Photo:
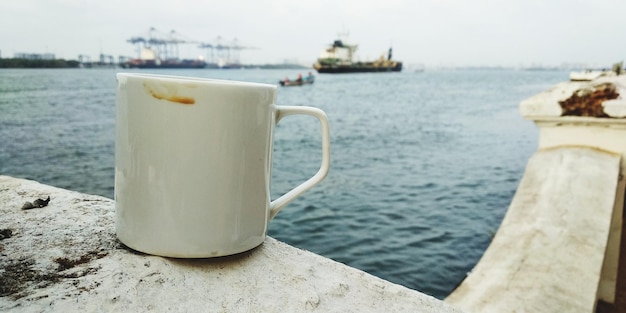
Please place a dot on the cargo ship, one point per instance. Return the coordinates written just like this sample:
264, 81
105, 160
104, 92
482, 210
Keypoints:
149, 59
338, 58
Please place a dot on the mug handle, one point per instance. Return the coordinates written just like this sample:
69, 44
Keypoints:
283, 111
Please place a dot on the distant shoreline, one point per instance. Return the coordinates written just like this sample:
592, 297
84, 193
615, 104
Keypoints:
17, 63
29, 63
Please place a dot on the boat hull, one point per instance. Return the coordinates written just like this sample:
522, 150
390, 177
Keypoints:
296, 83
357, 68
164, 64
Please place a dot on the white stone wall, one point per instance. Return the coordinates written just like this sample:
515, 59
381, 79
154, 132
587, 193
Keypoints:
547, 256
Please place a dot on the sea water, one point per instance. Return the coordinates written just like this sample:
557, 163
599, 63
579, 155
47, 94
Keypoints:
423, 165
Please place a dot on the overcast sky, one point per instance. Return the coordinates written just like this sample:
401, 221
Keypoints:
428, 32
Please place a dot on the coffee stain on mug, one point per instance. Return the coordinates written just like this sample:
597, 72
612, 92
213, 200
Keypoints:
168, 97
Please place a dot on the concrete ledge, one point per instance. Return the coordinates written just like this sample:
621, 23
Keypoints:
547, 103
548, 253
65, 258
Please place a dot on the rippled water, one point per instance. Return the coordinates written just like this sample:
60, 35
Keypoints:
424, 165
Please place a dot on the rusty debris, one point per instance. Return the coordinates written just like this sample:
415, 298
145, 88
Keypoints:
5, 233
588, 101
39, 203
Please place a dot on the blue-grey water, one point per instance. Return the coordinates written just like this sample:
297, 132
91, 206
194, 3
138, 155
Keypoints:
424, 165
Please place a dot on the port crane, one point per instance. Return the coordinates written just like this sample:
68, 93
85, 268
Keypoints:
224, 53
156, 44
160, 48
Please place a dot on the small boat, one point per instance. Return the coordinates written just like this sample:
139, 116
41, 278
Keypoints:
298, 82
588, 75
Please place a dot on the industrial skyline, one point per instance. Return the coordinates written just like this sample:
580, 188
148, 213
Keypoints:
509, 33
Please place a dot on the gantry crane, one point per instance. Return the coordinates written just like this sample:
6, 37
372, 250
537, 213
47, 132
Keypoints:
224, 54
162, 45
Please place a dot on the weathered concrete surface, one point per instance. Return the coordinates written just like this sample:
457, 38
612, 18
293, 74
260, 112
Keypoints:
65, 258
548, 103
548, 253
615, 108
600, 133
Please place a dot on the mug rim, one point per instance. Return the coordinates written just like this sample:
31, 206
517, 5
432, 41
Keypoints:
192, 79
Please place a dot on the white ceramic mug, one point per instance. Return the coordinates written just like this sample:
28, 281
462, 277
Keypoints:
193, 162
